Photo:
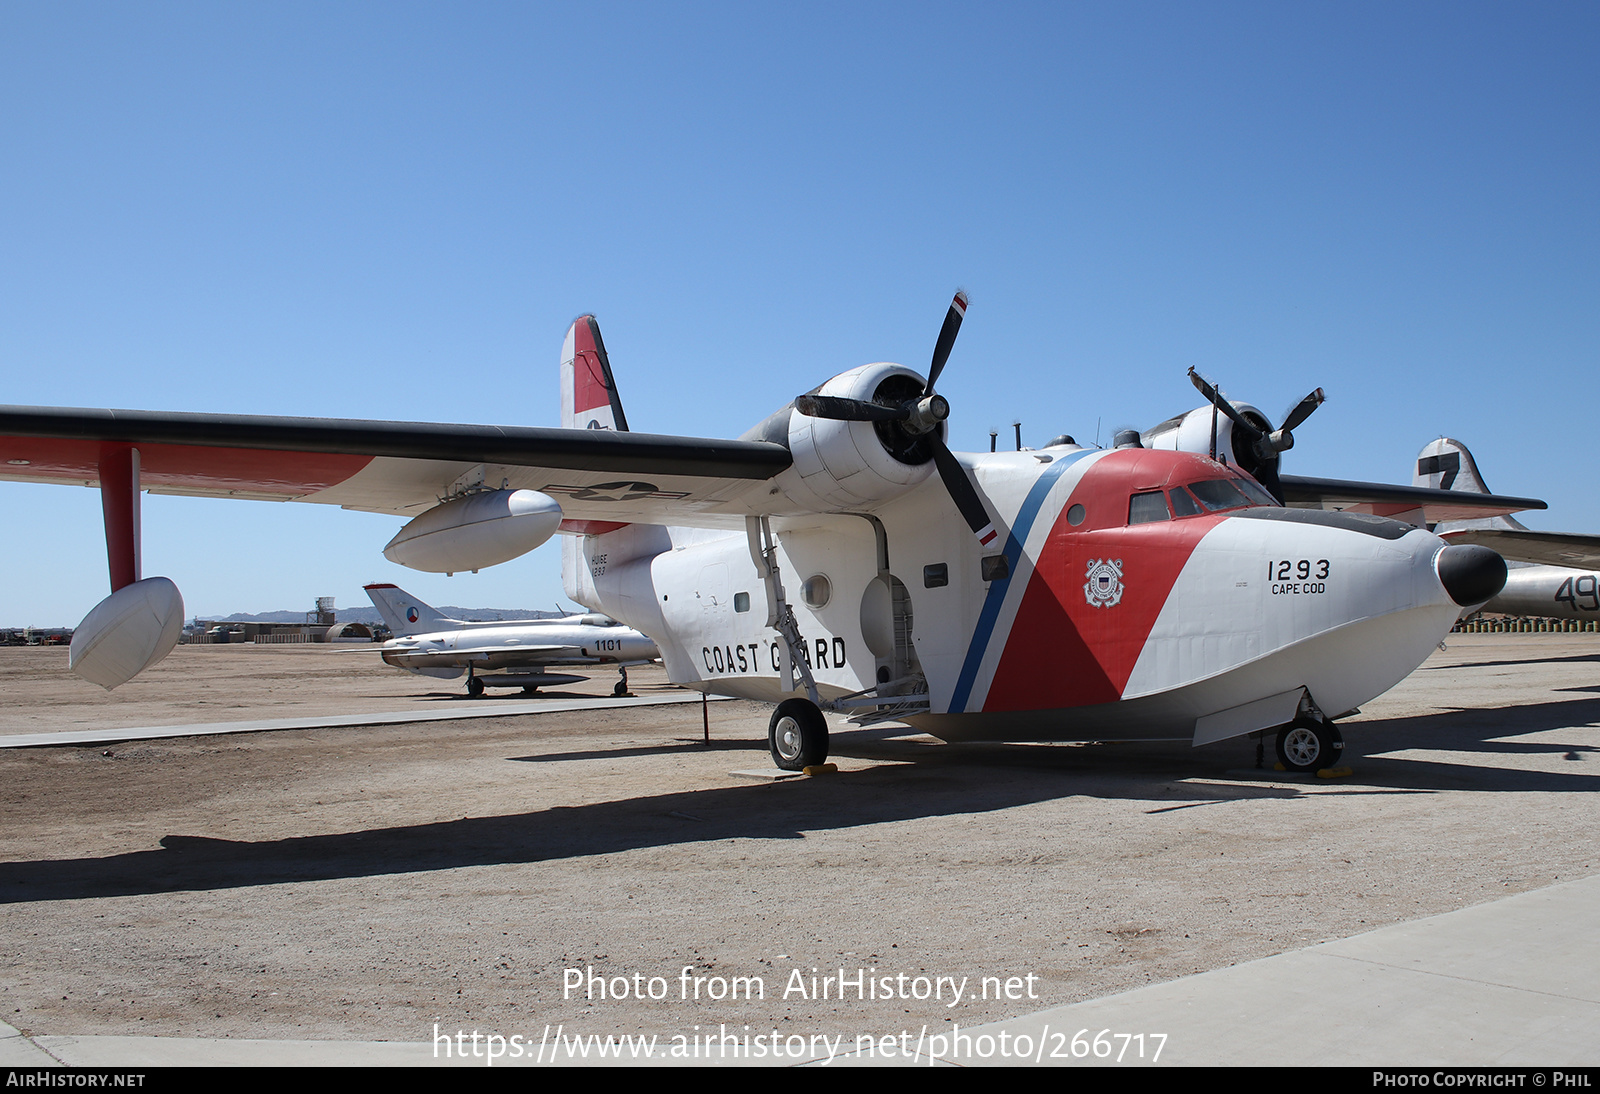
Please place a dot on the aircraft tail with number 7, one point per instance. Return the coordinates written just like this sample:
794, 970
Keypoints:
1550, 573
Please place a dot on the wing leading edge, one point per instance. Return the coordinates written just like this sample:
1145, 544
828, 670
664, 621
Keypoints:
393, 467
1423, 504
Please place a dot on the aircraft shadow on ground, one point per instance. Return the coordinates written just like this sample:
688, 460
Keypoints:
683, 746
943, 782
1577, 658
1487, 731
488, 698
921, 779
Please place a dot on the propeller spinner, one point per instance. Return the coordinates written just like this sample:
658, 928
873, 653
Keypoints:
908, 422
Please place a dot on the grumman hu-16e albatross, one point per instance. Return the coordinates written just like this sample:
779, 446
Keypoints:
1157, 590
511, 653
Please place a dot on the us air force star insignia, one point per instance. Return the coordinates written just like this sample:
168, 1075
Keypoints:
615, 491
1104, 587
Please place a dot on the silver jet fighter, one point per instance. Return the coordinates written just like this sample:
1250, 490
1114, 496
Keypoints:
503, 653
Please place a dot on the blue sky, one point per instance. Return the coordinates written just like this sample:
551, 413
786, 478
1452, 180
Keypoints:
394, 210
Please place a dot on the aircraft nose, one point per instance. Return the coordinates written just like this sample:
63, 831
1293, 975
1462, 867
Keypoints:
1469, 573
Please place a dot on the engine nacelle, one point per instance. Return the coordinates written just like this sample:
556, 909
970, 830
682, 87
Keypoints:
127, 632
845, 465
474, 531
1191, 432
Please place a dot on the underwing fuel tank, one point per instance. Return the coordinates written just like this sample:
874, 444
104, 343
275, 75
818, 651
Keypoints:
480, 529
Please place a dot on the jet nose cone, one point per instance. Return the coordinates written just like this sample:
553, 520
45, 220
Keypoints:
1469, 573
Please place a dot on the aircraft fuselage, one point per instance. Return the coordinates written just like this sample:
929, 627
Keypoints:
1075, 624
1557, 592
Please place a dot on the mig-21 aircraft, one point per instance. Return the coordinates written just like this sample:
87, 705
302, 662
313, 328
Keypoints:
511, 653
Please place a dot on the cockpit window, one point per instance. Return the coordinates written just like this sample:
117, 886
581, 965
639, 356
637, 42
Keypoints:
1183, 503
1217, 494
1257, 493
1144, 508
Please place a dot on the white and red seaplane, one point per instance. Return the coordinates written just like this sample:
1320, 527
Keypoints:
839, 557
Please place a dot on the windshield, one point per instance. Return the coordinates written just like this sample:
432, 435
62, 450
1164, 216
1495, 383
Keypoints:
1217, 494
1197, 498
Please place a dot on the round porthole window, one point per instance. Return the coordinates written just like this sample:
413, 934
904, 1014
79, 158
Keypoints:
1075, 515
816, 590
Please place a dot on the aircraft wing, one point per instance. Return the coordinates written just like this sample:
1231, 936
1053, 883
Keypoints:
404, 468
1550, 548
600, 477
1384, 500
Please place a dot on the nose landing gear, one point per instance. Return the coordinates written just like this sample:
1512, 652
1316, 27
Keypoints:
1309, 744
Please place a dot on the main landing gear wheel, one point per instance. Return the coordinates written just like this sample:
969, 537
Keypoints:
798, 735
1306, 745
475, 687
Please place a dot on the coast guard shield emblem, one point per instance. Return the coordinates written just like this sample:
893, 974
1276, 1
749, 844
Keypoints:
1104, 587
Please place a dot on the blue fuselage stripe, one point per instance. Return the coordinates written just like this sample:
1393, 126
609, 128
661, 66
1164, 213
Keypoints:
998, 589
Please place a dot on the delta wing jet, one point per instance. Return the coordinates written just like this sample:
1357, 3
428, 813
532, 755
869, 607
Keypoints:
839, 557
512, 653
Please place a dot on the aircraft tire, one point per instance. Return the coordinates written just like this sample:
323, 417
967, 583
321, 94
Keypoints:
475, 687
1308, 745
797, 735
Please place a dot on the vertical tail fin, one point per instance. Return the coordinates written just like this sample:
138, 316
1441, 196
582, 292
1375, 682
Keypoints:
405, 614
589, 398
1446, 464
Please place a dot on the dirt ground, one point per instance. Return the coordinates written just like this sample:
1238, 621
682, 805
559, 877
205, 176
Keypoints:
370, 882
208, 683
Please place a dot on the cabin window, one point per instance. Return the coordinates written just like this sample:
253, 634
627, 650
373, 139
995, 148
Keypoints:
1144, 508
817, 591
996, 568
936, 576
741, 602
1075, 515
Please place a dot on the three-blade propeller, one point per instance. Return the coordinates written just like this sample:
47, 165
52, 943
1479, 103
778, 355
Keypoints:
1265, 444
918, 419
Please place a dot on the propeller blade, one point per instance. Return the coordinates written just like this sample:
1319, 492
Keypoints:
963, 493
1214, 397
1302, 410
947, 339
848, 410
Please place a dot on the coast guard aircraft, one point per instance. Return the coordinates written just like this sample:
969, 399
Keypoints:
512, 653
1548, 575
840, 557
